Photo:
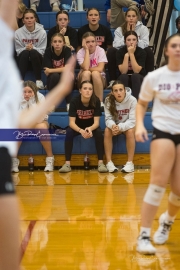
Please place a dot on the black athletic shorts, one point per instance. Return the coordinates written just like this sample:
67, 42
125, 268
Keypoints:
158, 134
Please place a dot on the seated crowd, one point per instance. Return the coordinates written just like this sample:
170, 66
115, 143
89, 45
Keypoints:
127, 57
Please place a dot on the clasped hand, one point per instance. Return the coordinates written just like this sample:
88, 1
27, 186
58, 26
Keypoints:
86, 133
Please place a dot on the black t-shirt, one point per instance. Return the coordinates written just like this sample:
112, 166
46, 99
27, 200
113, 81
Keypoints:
84, 115
52, 60
139, 54
70, 32
103, 35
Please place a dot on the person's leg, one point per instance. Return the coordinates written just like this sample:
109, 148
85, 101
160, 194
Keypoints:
130, 146
45, 143
52, 80
166, 219
15, 160
111, 56
34, 4
161, 150
23, 63
84, 76
108, 146
9, 216
36, 61
130, 143
55, 5
98, 84
97, 134
149, 65
47, 146
136, 80
70, 134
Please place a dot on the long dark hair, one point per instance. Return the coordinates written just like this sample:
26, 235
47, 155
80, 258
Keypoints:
57, 14
30, 10
34, 88
124, 25
166, 45
110, 101
93, 99
128, 33
93, 8
57, 35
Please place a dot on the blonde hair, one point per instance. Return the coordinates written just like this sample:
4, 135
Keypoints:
22, 7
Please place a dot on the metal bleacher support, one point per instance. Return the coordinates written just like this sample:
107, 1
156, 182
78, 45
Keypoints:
160, 27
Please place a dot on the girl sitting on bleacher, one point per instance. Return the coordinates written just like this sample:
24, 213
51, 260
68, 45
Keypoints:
84, 117
62, 27
30, 44
131, 23
102, 33
92, 60
120, 108
30, 97
55, 59
131, 63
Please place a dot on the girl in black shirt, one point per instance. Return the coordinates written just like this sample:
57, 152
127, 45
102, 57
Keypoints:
55, 59
70, 34
84, 117
131, 63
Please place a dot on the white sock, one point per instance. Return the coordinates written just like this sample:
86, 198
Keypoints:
145, 231
169, 218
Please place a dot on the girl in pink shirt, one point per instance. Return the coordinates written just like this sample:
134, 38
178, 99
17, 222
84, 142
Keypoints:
92, 60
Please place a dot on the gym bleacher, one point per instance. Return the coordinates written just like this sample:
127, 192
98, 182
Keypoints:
60, 116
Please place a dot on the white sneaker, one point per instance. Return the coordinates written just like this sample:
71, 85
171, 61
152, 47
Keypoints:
67, 107
162, 234
15, 164
55, 7
34, 7
110, 84
110, 166
144, 245
40, 84
129, 167
49, 164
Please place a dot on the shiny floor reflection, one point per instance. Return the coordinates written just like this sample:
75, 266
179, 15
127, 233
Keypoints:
87, 221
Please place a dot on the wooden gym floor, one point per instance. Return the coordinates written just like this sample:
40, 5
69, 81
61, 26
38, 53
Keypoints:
87, 221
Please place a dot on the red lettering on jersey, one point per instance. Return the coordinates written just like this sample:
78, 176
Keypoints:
93, 62
58, 63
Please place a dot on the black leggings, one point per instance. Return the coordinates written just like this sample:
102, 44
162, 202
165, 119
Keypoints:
133, 81
32, 57
70, 134
112, 66
52, 81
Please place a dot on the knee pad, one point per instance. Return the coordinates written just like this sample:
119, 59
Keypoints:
174, 199
6, 183
154, 195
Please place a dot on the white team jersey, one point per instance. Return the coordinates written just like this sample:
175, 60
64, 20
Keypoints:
10, 89
163, 85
